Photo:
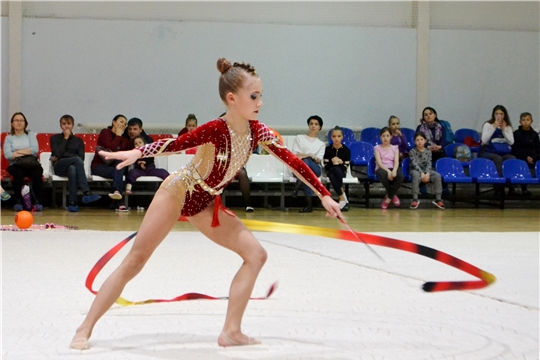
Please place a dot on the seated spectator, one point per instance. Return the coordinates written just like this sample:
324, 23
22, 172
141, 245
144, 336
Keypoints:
435, 133
311, 150
20, 149
421, 171
67, 157
397, 137
191, 124
143, 167
526, 145
134, 129
497, 140
388, 169
337, 158
111, 139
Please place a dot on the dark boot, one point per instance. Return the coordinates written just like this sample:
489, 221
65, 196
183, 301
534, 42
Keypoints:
296, 188
309, 207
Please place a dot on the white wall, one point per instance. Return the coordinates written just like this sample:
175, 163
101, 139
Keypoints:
161, 71
156, 60
473, 71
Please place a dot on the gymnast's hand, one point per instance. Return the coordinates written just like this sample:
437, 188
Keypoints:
127, 157
332, 207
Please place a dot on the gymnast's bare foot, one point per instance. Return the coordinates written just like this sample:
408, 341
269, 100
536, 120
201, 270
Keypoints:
80, 341
239, 340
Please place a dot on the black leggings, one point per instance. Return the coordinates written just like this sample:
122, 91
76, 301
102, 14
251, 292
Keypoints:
19, 173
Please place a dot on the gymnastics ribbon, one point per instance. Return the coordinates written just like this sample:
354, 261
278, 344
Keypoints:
485, 277
121, 301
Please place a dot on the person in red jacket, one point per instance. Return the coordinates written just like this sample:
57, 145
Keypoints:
224, 146
111, 139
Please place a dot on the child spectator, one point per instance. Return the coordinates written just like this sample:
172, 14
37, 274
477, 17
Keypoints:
143, 167
336, 159
526, 145
387, 168
421, 171
191, 124
397, 137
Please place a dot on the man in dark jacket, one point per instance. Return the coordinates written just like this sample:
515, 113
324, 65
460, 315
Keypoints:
68, 160
134, 129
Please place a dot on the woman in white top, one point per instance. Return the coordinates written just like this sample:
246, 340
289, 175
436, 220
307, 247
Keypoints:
497, 140
311, 150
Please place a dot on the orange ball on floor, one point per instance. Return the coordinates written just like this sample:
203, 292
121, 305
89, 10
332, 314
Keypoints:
24, 219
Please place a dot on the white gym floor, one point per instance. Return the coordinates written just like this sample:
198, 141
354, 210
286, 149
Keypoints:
335, 299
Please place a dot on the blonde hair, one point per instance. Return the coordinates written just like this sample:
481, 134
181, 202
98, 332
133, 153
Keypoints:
232, 76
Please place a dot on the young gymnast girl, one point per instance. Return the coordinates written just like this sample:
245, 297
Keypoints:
224, 146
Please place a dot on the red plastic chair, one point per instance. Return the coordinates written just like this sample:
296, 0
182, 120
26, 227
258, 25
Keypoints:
4, 162
44, 142
157, 137
90, 141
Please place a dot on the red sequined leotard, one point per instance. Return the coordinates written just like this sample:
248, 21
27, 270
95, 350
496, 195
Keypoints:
220, 155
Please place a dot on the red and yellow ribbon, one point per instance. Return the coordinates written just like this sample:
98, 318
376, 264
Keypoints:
485, 278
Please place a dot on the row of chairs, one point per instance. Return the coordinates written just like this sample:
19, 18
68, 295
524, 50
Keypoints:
481, 172
371, 136
265, 170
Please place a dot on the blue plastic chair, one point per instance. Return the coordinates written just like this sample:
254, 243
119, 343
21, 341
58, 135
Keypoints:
517, 171
405, 167
483, 171
348, 137
461, 134
371, 169
537, 170
409, 135
451, 171
371, 136
450, 149
361, 152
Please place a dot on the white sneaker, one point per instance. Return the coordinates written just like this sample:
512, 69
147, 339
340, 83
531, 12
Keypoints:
115, 195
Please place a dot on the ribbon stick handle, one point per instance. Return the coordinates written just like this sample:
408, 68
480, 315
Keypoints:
357, 237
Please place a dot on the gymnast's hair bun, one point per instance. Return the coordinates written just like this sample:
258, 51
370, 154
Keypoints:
223, 65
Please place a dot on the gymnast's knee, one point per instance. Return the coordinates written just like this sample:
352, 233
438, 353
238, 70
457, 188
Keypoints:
258, 257
133, 264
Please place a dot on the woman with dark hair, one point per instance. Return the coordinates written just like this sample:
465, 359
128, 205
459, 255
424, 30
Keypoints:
111, 139
431, 126
311, 150
497, 140
19, 144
